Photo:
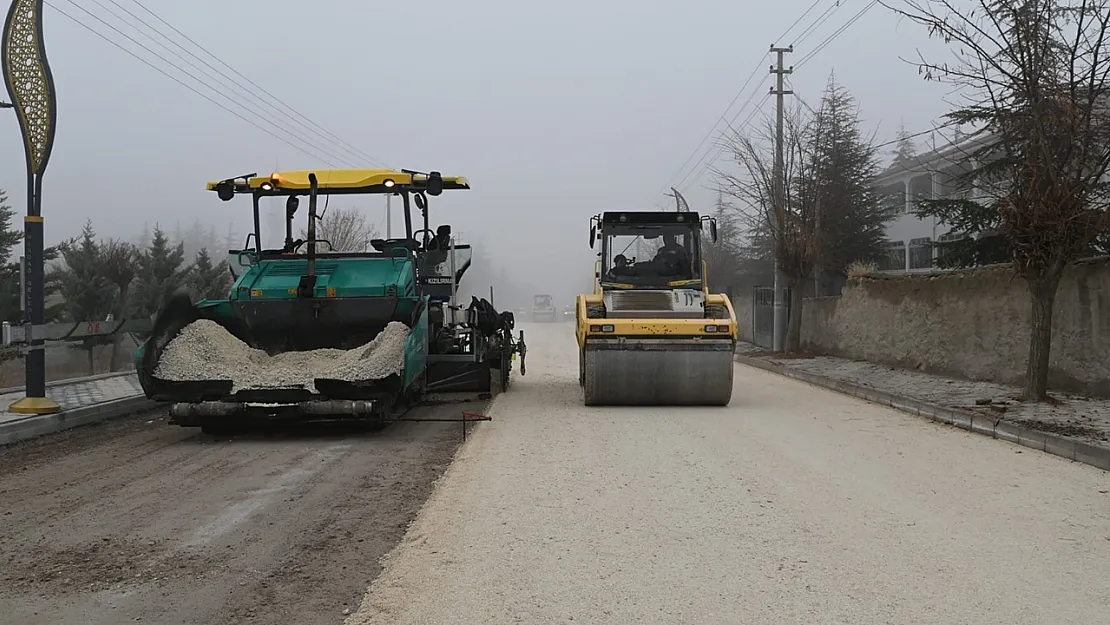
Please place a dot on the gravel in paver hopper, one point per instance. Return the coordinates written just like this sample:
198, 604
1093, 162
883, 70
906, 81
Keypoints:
651, 333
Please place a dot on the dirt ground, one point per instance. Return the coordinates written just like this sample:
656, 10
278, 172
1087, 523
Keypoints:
136, 520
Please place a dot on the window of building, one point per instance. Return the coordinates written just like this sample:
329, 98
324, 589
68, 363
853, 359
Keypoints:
894, 257
921, 188
943, 250
921, 253
893, 198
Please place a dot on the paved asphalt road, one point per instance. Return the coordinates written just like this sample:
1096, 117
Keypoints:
792, 505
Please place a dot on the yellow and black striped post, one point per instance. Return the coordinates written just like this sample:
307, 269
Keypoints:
31, 89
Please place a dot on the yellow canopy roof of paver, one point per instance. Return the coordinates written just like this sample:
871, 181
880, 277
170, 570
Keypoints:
339, 181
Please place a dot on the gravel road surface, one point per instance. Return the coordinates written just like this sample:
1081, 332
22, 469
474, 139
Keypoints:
139, 521
793, 505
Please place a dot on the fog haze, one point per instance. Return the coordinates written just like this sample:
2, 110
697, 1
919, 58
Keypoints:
554, 111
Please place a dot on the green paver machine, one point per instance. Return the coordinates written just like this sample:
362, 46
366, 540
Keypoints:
300, 298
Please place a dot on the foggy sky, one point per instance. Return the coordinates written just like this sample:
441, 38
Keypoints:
554, 111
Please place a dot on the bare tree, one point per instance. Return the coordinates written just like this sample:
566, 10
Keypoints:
1034, 73
791, 225
346, 229
722, 257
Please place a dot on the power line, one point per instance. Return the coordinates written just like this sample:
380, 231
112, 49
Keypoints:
183, 83
804, 103
722, 148
837, 33
713, 128
817, 23
289, 108
800, 18
323, 146
722, 119
228, 81
703, 164
915, 135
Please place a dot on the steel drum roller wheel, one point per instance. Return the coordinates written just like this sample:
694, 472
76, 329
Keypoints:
657, 377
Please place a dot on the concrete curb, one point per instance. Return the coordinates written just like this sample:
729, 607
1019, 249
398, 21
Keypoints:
68, 381
37, 425
1079, 451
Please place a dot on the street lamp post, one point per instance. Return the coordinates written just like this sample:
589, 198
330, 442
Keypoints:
31, 90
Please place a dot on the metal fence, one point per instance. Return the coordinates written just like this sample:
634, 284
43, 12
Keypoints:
763, 315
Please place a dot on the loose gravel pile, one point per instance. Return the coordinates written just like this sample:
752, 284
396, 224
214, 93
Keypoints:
205, 350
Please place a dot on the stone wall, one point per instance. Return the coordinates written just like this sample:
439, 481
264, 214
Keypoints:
972, 324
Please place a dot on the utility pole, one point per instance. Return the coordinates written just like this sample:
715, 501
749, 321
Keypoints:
779, 199
817, 233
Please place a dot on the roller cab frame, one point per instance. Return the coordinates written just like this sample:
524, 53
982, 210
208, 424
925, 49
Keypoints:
651, 333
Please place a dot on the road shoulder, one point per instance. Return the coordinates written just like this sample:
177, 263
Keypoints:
83, 401
1072, 427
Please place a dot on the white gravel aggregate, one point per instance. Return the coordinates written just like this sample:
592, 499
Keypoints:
793, 505
204, 350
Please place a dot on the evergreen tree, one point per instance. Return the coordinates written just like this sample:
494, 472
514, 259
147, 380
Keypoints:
119, 260
231, 241
9, 238
905, 150
722, 257
208, 280
10, 286
87, 293
212, 243
144, 236
849, 216
160, 273
9, 269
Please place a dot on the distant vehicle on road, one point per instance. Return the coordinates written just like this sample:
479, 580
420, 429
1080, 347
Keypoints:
543, 310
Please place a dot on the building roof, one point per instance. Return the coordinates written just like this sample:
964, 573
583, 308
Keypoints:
924, 163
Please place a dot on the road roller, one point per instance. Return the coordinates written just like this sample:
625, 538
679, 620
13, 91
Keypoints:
651, 333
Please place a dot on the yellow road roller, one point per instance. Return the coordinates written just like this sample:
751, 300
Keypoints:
651, 333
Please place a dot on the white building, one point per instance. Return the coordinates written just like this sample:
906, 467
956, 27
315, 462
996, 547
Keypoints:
911, 239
